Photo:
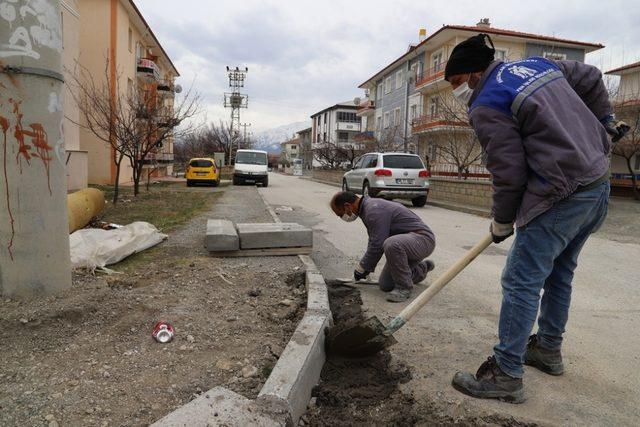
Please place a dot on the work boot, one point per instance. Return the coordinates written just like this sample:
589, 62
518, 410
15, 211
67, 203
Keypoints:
399, 295
490, 383
544, 359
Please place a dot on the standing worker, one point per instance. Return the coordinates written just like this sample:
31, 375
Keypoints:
543, 128
395, 231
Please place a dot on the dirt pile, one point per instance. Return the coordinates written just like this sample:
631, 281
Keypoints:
365, 392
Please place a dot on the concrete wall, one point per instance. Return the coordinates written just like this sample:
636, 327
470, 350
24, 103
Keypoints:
328, 176
465, 192
629, 86
77, 173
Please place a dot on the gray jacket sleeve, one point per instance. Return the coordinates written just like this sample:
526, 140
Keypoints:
501, 141
378, 226
587, 81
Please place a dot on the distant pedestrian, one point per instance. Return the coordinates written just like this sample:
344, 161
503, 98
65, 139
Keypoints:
543, 126
395, 231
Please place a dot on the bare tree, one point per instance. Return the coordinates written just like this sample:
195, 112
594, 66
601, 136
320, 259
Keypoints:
629, 146
135, 124
459, 144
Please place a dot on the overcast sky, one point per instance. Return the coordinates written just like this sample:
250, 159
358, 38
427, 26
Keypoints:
306, 55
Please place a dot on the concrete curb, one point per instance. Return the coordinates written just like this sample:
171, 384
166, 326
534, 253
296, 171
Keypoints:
460, 208
333, 184
286, 393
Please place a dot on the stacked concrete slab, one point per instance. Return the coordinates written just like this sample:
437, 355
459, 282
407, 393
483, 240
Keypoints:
223, 235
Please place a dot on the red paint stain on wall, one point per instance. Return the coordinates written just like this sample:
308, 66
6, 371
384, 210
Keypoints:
4, 124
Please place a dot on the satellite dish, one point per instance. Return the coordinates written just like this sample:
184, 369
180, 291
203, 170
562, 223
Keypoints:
356, 100
177, 89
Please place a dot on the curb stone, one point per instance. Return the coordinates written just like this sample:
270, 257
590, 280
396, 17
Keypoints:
286, 393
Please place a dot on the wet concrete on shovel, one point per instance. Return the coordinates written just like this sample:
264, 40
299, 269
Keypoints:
354, 392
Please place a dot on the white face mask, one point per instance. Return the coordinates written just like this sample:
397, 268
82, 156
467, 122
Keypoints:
349, 218
463, 93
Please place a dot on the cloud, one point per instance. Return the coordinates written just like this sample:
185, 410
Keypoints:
305, 55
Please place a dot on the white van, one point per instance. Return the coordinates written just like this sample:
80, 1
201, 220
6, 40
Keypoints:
251, 166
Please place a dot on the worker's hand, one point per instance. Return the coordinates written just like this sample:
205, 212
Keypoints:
360, 273
500, 231
616, 128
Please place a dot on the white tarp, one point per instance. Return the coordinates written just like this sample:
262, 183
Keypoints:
95, 248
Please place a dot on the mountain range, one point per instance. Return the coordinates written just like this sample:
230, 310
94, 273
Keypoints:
269, 140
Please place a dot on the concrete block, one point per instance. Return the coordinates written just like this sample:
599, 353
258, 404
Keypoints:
221, 236
220, 407
299, 366
274, 235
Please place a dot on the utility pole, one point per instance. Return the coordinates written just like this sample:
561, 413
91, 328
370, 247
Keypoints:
235, 100
244, 133
34, 229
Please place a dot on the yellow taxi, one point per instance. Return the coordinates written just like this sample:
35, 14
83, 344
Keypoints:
202, 170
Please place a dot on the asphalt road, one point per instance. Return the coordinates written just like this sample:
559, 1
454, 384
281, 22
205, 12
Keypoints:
458, 328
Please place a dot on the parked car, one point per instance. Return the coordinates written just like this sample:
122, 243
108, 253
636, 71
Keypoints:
251, 167
202, 170
389, 175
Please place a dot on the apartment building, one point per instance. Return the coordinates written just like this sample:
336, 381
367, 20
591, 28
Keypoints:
626, 103
410, 102
290, 150
114, 33
306, 153
337, 124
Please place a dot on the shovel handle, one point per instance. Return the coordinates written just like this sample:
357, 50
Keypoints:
440, 283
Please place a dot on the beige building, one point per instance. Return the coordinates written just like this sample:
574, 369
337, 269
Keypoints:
410, 100
98, 33
627, 107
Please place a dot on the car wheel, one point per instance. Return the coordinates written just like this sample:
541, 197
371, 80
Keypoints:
189, 183
216, 183
236, 181
365, 190
345, 186
265, 183
419, 202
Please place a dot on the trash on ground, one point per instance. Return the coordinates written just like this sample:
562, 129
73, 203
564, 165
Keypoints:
162, 332
96, 248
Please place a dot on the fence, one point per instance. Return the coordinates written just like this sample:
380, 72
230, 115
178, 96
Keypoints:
450, 170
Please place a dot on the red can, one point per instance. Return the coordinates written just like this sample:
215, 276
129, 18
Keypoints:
162, 332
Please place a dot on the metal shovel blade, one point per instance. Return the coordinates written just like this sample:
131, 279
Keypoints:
362, 340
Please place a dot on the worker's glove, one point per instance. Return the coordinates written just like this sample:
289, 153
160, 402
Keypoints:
500, 231
360, 273
616, 128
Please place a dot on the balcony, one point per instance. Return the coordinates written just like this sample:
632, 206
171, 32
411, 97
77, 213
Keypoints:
364, 136
430, 76
155, 158
366, 108
148, 70
352, 126
436, 122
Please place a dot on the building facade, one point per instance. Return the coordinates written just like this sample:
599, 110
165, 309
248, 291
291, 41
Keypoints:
411, 104
335, 126
115, 40
306, 152
626, 104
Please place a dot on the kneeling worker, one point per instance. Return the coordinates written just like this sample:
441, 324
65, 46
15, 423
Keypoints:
395, 231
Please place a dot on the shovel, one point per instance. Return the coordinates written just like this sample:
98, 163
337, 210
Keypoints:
370, 336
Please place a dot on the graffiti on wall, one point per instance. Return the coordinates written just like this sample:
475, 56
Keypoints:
32, 146
32, 23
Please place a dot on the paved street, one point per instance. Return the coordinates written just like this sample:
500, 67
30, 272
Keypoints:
459, 327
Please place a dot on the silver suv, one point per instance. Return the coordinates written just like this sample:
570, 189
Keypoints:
389, 175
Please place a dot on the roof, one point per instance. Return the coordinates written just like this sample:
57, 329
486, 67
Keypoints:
305, 130
489, 30
135, 8
346, 104
624, 68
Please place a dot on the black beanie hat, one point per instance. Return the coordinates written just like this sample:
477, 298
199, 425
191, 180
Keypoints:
470, 56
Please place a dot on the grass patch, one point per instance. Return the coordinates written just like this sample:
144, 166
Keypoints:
165, 205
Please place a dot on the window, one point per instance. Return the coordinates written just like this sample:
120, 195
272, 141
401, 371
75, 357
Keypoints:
200, 163
434, 104
637, 166
371, 161
416, 71
324, 136
387, 84
378, 122
500, 55
386, 120
344, 116
555, 56
140, 51
436, 62
318, 138
399, 161
379, 91
399, 79
251, 158
325, 118
413, 112
343, 136
130, 42
129, 88
396, 117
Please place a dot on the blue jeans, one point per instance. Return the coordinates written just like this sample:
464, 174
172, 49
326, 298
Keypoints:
543, 257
